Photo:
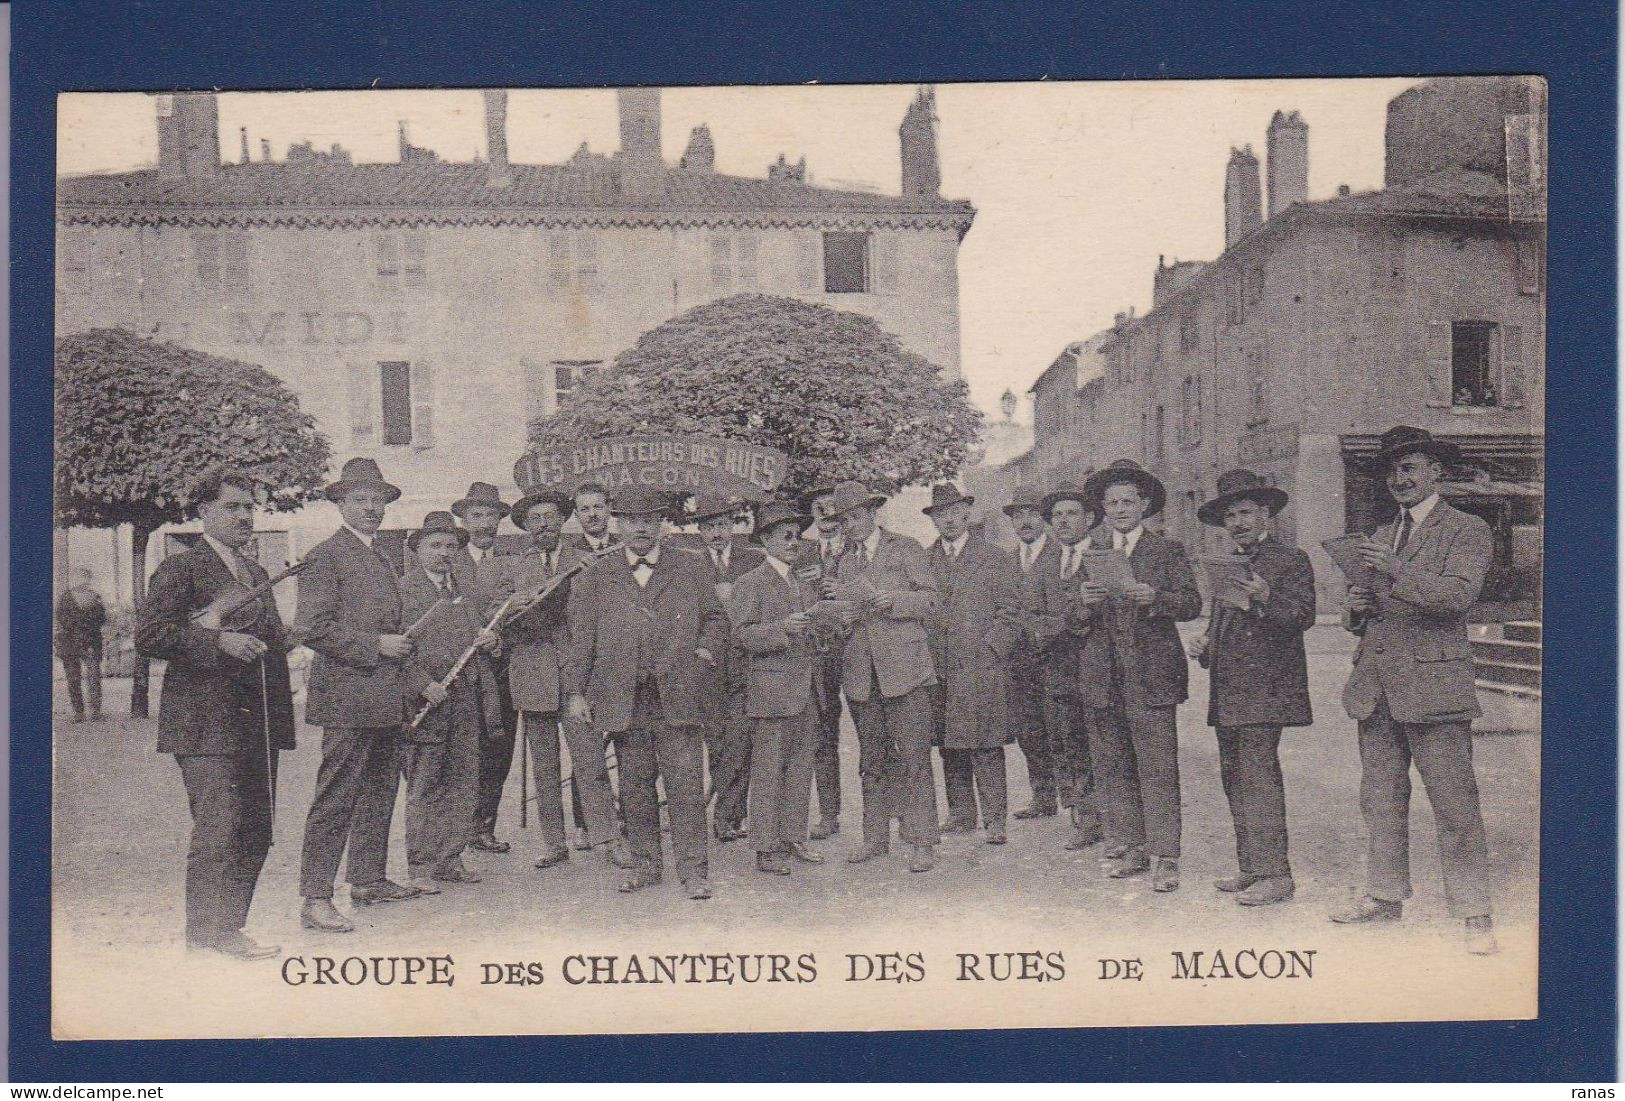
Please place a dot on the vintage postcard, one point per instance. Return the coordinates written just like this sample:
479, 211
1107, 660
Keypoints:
741, 558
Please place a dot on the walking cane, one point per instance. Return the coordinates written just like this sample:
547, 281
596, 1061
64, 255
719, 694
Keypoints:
524, 773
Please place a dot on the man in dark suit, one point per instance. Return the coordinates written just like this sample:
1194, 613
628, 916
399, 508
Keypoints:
80, 615
481, 510
727, 730
1412, 687
591, 505
779, 667
1026, 514
1258, 679
1132, 673
888, 594
824, 548
226, 711
349, 612
973, 636
644, 624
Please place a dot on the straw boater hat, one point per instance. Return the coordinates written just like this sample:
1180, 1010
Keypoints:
1066, 491
1404, 440
480, 493
853, 494
1240, 485
437, 523
520, 512
360, 474
1124, 470
639, 501
708, 506
1025, 497
775, 513
945, 495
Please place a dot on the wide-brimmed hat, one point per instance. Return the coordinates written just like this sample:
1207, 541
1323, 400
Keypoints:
520, 511
1066, 491
359, 474
708, 506
639, 501
775, 513
437, 523
1025, 497
1404, 440
1240, 485
480, 493
946, 494
1124, 470
853, 494
805, 499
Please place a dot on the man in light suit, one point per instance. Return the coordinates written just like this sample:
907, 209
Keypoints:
644, 623
824, 548
1026, 514
888, 594
1412, 687
769, 608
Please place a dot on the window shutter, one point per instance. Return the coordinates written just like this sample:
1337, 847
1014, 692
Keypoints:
363, 433
885, 256
721, 262
807, 266
234, 269
1512, 395
535, 390
586, 250
745, 245
558, 261
422, 405
389, 261
414, 271
1439, 364
206, 248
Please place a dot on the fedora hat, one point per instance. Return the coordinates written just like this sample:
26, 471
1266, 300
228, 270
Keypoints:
1124, 470
480, 493
520, 511
708, 506
434, 524
359, 474
1066, 491
775, 513
1025, 497
1239, 485
945, 494
852, 494
807, 496
1404, 440
640, 501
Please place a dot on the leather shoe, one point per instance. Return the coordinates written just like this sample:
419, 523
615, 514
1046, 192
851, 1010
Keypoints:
239, 947
1267, 892
423, 885
638, 880
826, 827
320, 913
486, 841
995, 835
1367, 909
383, 891
726, 833
869, 852
1235, 884
699, 889
1166, 877
1132, 863
923, 859
772, 864
801, 852
1085, 836
581, 843
617, 855
552, 857
1115, 852
456, 872
1481, 936
1038, 810
957, 825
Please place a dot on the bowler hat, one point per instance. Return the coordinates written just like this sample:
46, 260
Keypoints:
1066, 491
1124, 470
1025, 497
640, 501
1240, 485
853, 494
521, 508
1404, 440
774, 513
708, 506
437, 523
946, 494
360, 474
480, 493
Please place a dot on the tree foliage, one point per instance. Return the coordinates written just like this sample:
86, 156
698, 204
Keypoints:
138, 421
833, 390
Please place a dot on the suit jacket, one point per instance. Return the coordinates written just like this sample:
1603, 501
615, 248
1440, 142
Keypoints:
779, 670
725, 679
1140, 646
579, 541
1055, 636
610, 616
79, 630
211, 702
972, 641
891, 650
348, 597
1259, 675
1414, 650
440, 642
535, 642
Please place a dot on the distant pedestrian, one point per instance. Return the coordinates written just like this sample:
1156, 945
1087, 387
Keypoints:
80, 616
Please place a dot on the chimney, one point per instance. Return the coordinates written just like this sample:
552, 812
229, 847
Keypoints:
496, 138
917, 136
1288, 152
265, 150
642, 171
701, 154
188, 134
1242, 201
243, 134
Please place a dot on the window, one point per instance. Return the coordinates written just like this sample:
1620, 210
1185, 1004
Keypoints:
1529, 267
846, 263
1387, 261
535, 381
572, 261
74, 251
220, 259
1472, 344
1253, 287
396, 380
1190, 412
402, 260
397, 395
1190, 333
733, 261
1257, 391
1233, 313
569, 374
807, 261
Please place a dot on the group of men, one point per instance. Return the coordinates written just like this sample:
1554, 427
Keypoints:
657, 665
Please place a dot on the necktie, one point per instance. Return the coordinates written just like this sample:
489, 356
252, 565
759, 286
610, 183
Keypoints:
716, 558
1119, 540
239, 566
1069, 563
1405, 526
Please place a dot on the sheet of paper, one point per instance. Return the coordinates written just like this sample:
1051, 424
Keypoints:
1225, 573
1344, 551
1110, 568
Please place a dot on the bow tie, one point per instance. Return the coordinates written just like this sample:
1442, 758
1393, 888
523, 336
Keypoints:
643, 562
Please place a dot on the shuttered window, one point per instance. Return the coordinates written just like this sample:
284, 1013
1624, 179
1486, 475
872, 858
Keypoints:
388, 249
884, 247
362, 399
395, 382
422, 394
1512, 367
414, 269
807, 261
846, 263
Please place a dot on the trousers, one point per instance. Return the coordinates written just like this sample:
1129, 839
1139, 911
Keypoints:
1066, 727
728, 746
496, 758
827, 760
1027, 702
443, 788
84, 672
653, 749
1250, 770
894, 763
354, 803
781, 773
230, 799
972, 774
1135, 753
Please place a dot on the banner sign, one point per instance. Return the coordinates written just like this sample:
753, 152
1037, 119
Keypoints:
675, 464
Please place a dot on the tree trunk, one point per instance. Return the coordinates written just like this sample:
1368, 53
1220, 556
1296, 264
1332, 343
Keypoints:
139, 534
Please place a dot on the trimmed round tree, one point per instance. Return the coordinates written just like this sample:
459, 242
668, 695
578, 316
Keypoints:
138, 421
833, 390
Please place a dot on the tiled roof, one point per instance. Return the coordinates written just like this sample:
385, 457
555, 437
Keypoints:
453, 192
1459, 193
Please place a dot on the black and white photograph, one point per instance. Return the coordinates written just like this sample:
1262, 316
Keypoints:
797, 558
